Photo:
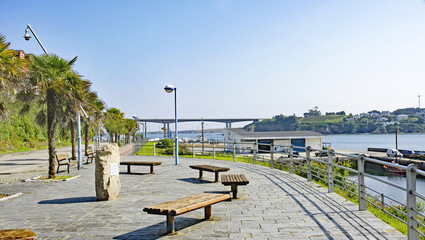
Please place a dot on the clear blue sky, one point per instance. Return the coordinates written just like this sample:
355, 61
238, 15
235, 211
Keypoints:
231, 59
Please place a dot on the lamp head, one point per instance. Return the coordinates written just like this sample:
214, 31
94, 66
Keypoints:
169, 88
27, 34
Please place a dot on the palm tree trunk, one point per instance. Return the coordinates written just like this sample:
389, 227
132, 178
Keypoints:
51, 129
73, 140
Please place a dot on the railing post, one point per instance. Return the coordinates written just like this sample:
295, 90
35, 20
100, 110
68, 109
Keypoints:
291, 159
412, 225
154, 149
193, 149
214, 151
308, 157
255, 151
361, 183
271, 155
330, 172
234, 151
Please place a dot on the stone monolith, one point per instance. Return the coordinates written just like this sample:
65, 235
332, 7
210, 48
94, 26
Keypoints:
107, 179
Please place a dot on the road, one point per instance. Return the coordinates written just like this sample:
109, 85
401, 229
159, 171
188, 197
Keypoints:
29, 161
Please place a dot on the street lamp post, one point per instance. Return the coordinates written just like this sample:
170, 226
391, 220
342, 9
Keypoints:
169, 88
27, 37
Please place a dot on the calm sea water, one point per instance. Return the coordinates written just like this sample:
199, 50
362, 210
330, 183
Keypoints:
360, 142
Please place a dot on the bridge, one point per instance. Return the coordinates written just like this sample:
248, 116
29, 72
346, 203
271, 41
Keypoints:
167, 121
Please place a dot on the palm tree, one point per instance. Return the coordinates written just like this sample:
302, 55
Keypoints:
55, 83
11, 75
130, 126
114, 122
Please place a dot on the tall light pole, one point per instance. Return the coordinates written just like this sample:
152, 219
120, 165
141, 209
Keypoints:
419, 99
27, 37
169, 89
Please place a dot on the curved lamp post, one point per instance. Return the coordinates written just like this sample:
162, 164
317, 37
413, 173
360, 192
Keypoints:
27, 37
169, 89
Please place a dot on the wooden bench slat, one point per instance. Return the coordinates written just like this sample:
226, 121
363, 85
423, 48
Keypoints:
141, 163
186, 204
151, 164
209, 168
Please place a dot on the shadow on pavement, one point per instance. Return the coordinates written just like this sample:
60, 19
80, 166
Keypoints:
69, 200
159, 230
134, 173
194, 180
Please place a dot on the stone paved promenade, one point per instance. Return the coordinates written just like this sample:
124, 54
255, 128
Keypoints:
275, 205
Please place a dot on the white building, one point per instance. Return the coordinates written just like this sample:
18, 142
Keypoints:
247, 141
402, 117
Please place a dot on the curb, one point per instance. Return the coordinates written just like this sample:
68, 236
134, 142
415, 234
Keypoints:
36, 179
10, 196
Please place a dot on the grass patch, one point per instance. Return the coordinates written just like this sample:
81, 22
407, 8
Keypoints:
17, 234
324, 119
55, 178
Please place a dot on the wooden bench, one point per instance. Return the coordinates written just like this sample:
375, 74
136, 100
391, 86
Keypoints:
184, 205
209, 168
90, 155
63, 159
234, 180
151, 164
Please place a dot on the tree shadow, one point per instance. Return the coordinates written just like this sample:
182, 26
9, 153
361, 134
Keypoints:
195, 180
160, 229
69, 200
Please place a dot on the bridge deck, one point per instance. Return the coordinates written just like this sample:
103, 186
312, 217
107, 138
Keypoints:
275, 205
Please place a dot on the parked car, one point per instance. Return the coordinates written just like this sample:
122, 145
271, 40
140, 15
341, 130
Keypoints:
394, 153
321, 154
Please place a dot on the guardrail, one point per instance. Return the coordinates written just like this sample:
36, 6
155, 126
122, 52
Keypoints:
308, 166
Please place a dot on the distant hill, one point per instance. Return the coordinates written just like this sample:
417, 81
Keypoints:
371, 122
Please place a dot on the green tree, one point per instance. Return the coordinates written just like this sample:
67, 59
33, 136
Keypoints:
54, 83
11, 75
113, 123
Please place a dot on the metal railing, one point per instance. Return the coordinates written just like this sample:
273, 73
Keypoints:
323, 168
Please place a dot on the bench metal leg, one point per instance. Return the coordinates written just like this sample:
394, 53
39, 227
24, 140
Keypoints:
68, 167
216, 177
201, 173
151, 168
208, 212
234, 191
128, 168
170, 224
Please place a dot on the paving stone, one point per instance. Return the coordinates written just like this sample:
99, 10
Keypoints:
275, 205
